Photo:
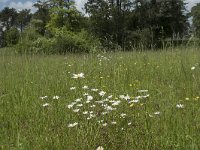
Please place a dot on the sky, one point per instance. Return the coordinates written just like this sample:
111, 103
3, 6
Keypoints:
22, 4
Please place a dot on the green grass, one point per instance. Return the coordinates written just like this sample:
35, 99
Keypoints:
167, 75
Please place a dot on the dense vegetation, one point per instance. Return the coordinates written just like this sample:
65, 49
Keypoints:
58, 27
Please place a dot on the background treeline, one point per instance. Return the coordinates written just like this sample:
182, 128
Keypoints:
58, 27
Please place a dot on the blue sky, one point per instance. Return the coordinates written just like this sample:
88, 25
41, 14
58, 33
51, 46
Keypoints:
22, 4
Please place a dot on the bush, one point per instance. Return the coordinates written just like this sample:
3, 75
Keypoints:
12, 36
28, 37
62, 41
68, 41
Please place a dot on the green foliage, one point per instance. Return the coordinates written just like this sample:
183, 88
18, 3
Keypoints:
63, 14
12, 36
68, 41
196, 19
23, 18
8, 18
27, 39
63, 41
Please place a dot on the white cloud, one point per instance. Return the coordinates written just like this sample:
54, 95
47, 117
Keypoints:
80, 4
20, 6
191, 3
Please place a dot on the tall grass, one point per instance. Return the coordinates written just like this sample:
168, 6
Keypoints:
167, 75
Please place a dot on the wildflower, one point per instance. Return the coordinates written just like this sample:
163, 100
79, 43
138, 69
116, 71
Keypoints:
85, 112
127, 97
145, 96
157, 113
116, 103
104, 113
76, 110
104, 124
142, 91
180, 106
56, 97
129, 123
109, 108
121, 96
113, 122
123, 115
70, 106
80, 75
192, 68
78, 100
87, 101
100, 148
92, 106
99, 102
102, 93
89, 98
46, 105
134, 101
72, 88
79, 105
43, 97
85, 94
85, 87
109, 97
150, 115
187, 99
94, 90
72, 125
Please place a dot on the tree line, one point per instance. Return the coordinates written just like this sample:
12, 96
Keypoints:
58, 27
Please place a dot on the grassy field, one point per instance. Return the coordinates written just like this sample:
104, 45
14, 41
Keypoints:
45, 103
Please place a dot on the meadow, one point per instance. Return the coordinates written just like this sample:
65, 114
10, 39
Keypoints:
111, 101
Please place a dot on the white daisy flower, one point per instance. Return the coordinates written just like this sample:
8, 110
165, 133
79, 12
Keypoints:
43, 97
46, 105
78, 100
56, 97
121, 96
104, 124
85, 94
109, 97
193, 68
72, 88
79, 105
85, 87
102, 93
157, 113
115, 103
113, 122
72, 125
100, 148
92, 106
80, 75
85, 112
123, 115
89, 98
70, 106
76, 110
180, 106
142, 91
134, 101
94, 90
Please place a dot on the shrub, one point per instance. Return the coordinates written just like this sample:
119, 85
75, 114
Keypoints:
68, 41
12, 36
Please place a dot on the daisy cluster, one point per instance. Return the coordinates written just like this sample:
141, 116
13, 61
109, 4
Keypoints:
96, 104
